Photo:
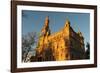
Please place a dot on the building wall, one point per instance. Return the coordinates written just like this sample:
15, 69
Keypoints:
77, 48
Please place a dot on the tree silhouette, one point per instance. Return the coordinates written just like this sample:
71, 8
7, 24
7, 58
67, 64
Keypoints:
87, 51
28, 41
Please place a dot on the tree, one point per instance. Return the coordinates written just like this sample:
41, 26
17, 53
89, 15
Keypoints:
87, 51
28, 42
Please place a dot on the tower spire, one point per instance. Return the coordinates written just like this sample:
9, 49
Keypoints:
45, 30
46, 21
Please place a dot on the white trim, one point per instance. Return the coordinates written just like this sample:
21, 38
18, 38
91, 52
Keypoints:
58, 63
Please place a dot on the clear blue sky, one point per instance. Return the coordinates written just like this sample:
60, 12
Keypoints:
33, 21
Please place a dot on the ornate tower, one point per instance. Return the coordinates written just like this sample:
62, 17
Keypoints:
43, 41
45, 30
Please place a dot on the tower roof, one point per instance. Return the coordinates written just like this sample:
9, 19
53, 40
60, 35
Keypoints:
67, 21
47, 18
46, 21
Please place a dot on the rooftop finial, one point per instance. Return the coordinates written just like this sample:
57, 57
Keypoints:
67, 22
47, 17
47, 20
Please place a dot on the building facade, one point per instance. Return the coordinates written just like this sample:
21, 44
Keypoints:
66, 44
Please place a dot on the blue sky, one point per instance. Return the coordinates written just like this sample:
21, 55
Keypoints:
33, 21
